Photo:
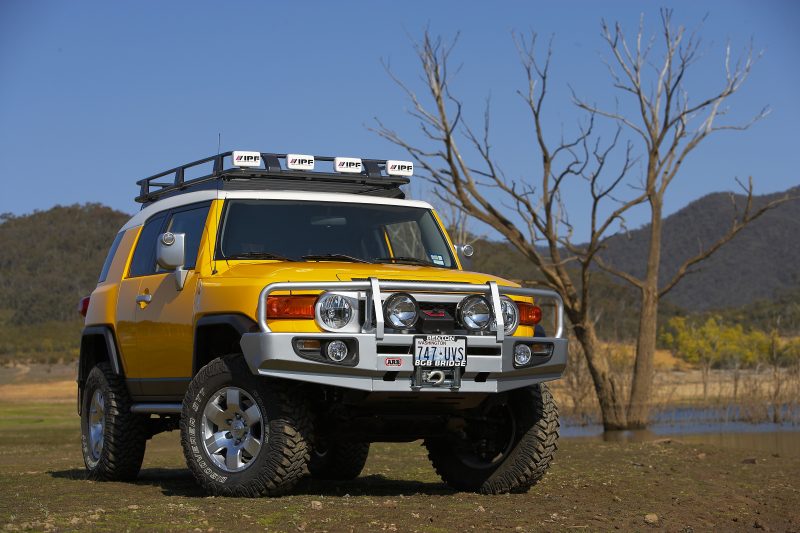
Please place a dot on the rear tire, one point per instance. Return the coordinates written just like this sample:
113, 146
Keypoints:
243, 435
509, 451
338, 460
112, 438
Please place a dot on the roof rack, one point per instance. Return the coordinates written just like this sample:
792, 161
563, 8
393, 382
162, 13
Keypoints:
269, 175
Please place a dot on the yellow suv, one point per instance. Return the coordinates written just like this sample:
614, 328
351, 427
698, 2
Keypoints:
284, 317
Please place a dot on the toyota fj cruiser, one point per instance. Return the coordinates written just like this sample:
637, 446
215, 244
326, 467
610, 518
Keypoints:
285, 317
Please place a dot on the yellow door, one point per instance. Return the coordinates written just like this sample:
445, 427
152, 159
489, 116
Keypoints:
157, 340
164, 327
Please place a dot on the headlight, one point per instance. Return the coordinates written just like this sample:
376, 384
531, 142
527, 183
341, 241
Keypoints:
401, 311
334, 311
510, 315
475, 313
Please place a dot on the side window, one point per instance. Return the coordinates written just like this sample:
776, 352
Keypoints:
191, 222
144, 257
110, 257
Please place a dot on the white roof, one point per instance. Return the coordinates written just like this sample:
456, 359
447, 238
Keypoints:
200, 196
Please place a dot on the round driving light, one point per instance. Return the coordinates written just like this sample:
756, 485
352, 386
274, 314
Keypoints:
510, 315
401, 311
336, 351
334, 311
475, 313
522, 354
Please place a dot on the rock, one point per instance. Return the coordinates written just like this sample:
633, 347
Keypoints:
481, 509
316, 505
617, 498
701, 455
759, 525
749, 461
651, 518
133, 507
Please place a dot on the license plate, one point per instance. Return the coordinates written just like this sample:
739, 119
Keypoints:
440, 351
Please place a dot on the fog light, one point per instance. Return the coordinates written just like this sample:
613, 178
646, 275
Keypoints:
522, 354
337, 351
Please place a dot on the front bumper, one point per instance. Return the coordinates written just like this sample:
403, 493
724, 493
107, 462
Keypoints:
385, 363
272, 354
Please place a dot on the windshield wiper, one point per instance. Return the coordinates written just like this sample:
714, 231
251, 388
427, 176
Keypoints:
405, 259
335, 257
259, 255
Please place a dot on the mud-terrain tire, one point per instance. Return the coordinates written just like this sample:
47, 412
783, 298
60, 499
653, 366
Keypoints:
112, 438
244, 435
338, 460
528, 449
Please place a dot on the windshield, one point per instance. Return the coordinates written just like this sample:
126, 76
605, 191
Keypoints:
317, 231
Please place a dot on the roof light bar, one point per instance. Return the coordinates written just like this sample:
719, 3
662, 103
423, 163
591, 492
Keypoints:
399, 168
246, 159
347, 165
299, 162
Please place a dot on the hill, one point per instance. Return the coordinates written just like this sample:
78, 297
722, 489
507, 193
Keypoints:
752, 280
760, 263
52, 258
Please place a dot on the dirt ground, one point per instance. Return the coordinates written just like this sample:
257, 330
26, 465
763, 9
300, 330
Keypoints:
592, 485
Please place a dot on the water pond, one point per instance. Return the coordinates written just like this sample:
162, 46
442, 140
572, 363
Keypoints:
711, 426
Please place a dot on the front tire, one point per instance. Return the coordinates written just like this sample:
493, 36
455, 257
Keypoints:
507, 449
338, 460
112, 438
243, 435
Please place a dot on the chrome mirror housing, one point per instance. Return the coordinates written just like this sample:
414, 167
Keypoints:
171, 255
465, 253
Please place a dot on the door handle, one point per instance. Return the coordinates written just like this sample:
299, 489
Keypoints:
144, 299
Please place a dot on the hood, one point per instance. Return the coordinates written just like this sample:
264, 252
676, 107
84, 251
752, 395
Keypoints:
344, 271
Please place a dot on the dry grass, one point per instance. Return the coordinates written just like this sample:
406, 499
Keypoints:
56, 391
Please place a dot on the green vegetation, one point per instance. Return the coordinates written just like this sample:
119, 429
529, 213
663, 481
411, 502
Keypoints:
49, 260
52, 258
712, 343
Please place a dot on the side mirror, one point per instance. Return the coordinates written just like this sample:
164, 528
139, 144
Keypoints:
171, 255
465, 253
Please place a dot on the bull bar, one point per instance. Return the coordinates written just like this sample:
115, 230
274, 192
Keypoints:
272, 354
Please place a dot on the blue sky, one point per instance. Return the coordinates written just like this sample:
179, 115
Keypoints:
94, 95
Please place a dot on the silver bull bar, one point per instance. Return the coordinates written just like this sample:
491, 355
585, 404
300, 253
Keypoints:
374, 288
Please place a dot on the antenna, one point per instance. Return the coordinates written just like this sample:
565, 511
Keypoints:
219, 141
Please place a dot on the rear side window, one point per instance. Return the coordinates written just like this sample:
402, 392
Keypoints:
191, 222
144, 257
110, 257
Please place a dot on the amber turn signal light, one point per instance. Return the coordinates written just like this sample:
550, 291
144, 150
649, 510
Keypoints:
291, 306
529, 314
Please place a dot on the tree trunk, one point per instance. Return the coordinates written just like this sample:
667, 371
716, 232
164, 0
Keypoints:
609, 394
639, 405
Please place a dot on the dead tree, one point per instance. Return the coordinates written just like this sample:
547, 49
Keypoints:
533, 213
670, 125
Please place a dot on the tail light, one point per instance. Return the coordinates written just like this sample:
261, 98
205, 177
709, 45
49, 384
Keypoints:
291, 306
529, 314
83, 306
